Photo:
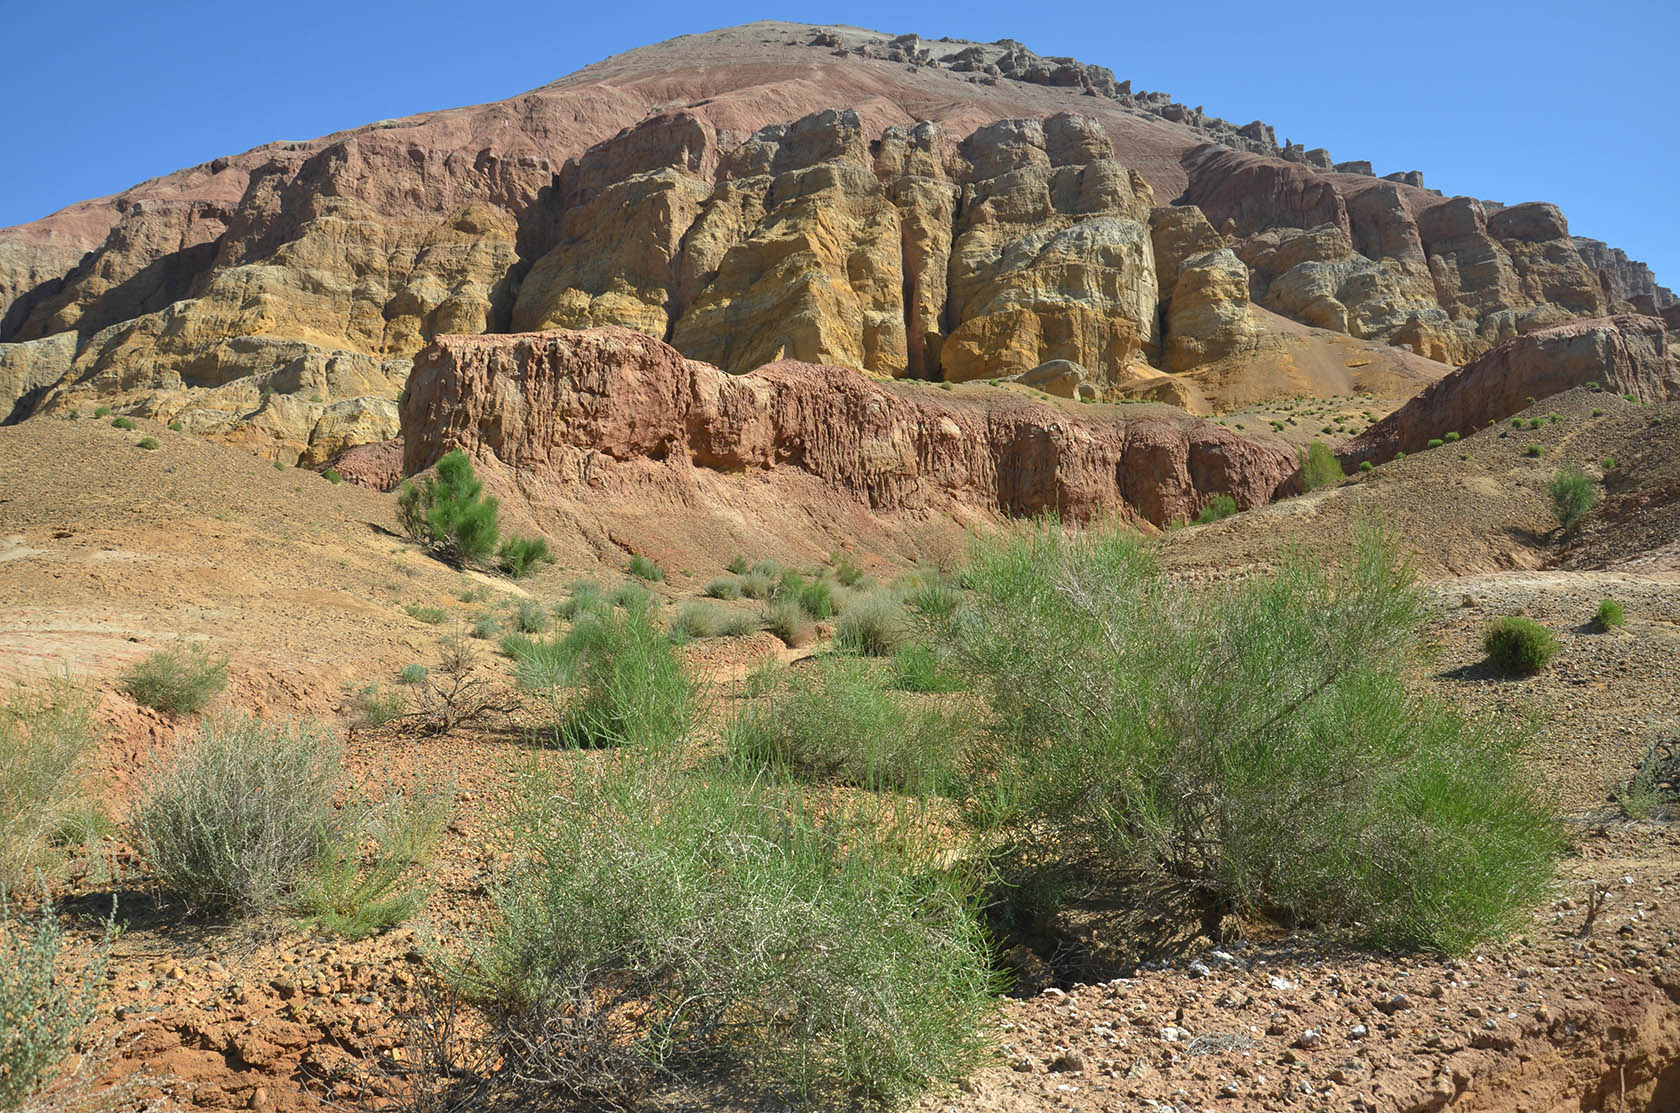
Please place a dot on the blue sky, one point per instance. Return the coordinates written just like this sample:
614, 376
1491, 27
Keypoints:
1566, 102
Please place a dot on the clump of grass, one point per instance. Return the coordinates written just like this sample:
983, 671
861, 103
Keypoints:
44, 1010
817, 600
47, 736
519, 556
123, 423
583, 596
1572, 495
837, 723
1609, 615
698, 620
431, 616
846, 572
176, 427
1534, 450
917, 668
757, 585
1518, 646
147, 443
357, 892
331, 476
788, 621
613, 680
643, 568
485, 626
413, 674
1609, 463
1451, 437
767, 568
102, 411
279, 466
1435, 442
874, 626
737, 565
1597, 412
724, 588
529, 617
376, 708
1218, 508
1319, 467
1240, 739
657, 923
177, 681
1366, 465
631, 595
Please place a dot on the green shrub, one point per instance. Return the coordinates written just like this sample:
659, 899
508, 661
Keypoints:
724, 588
917, 668
177, 681
1609, 463
431, 616
757, 585
585, 596
1609, 615
373, 880
331, 475
44, 1010
787, 620
874, 626
698, 620
657, 925
631, 595
934, 599
1519, 646
530, 618
47, 736
450, 514
1319, 467
413, 674
846, 573
486, 626
102, 411
1435, 442
817, 600
613, 680
1597, 412
1554, 419
519, 555
1572, 494
768, 568
737, 564
644, 569
176, 427
1366, 465
1655, 781
837, 723
279, 466
123, 423
147, 443
1534, 450
1517, 423
1451, 436
1535, 423
1263, 743
1218, 508
376, 708
1630, 397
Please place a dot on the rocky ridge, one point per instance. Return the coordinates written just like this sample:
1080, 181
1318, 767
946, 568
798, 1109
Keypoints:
975, 211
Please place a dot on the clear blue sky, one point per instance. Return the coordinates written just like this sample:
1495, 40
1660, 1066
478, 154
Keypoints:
1553, 100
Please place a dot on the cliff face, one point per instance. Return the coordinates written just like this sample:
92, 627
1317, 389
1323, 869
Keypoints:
976, 212
590, 412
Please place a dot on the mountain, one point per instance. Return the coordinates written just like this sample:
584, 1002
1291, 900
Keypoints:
906, 207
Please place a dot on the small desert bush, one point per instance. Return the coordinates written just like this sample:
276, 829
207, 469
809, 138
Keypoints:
724, 588
1572, 495
1218, 508
817, 600
331, 476
934, 599
177, 681
486, 626
431, 616
838, 723
519, 556
375, 708
46, 738
613, 680
1610, 615
698, 620
451, 514
631, 595
147, 443
643, 568
44, 1009
249, 816
918, 668
1518, 646
874, 626
659, 926
176, 427
1451, 437
529, 617
1654, 783
1435, 442
102, 411
737, 565
1319, 466
584, 596
413, 674
757, 585
1366, 465
1534, 450
1265, 744
846, 572
766, 568
123, 423
788, 621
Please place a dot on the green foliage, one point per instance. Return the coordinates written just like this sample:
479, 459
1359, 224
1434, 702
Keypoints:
724, 588
787, 620
450, 513
518, 556
817, 600
585, 596
613, 680
177, 681
1263, 743
644, 569
529, 617
701, 620
1218, 508
846, 573
918, 668
1319, 467
633, 596
279, 466
376, 708
1630, 397
147, 443
874, 626
1534, 450
737, 564
413, 674
486, 626
1519, 646
657, 925
47, 735
767, 568
1655, 781
431, 616
123, 423
176, 426
1572, 495
1366, 465
331, 476
1597, 412
102, 411
43, 1009
757, 585
374, 880
1435, 442
1609, 615
1451, 436
1609, 463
